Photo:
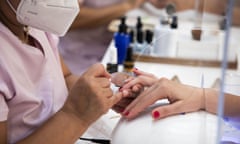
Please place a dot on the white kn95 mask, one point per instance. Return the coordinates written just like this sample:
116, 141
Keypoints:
54, 16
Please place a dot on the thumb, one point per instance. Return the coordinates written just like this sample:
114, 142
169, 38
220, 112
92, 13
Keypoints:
98, 70
165, 111
116, 98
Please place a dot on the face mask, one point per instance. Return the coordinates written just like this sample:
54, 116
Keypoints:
54, 16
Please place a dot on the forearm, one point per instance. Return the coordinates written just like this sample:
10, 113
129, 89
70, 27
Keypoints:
211, 100
92, 17
62, 128
231, 103
71, 80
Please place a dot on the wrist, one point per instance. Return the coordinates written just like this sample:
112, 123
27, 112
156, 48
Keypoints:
211, 100
203, 99
200, 101
69, 112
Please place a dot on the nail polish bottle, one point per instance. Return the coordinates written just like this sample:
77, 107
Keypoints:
138, 45
139, 24
148, 48
121, 39
132, 37
138, 49
129, 61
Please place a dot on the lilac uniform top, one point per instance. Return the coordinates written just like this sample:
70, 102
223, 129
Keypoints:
83, 47
32, 86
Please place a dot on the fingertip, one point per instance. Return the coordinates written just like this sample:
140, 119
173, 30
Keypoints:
135, 69
126, 113
125, 93
130, 115
120, 95
136, 88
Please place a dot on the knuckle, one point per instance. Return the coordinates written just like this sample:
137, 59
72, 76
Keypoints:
163, 83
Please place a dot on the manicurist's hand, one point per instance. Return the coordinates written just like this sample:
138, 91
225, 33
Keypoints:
91, 96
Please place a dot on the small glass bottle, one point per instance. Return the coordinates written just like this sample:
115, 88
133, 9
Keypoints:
129, 61
148, 48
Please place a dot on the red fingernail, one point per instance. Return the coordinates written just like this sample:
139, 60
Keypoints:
121, 111
126, 113
135, 68
156, 115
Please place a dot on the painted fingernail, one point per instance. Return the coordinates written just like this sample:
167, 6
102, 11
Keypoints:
135, 68
121, 110
126, 113
156, 115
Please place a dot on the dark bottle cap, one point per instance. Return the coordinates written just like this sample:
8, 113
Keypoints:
122, 28
139, 36
170, 8
149, 36
174, 23
139, 23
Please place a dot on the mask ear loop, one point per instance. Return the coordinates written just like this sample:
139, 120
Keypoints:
11, 6
25, 27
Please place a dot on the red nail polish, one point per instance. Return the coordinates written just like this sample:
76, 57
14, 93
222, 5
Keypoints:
126, 113
156, 115
135, 68
121, 111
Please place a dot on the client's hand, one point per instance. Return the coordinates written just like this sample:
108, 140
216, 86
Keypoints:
133, 85
182, 98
